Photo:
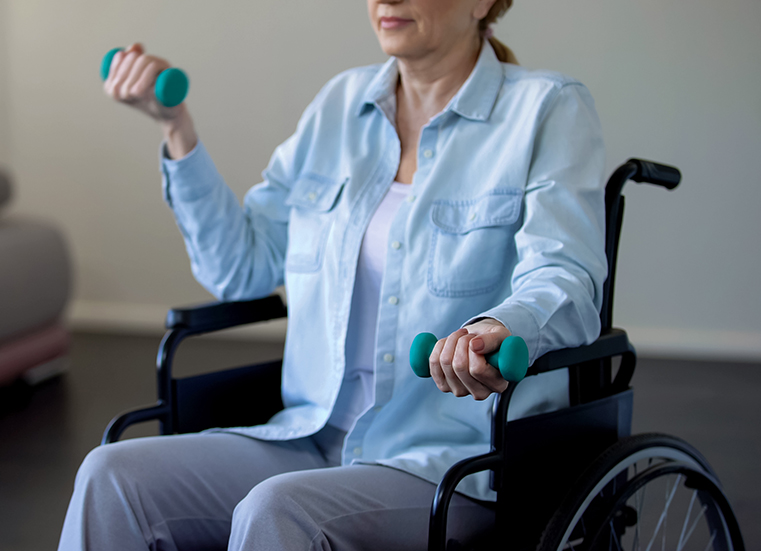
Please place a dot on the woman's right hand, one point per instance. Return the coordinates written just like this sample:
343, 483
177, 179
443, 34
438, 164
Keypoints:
131, 80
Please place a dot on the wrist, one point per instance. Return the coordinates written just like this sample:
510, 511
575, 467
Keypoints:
486, 320
180, 135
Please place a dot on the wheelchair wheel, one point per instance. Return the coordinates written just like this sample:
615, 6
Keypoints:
649, 491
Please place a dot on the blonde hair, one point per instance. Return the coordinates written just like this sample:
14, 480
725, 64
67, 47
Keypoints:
504, 54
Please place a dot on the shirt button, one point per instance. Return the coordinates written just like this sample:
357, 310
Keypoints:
393, 300
357, 451
396, 245
411, 198
312, 196
388, 358
472, 216
427, 153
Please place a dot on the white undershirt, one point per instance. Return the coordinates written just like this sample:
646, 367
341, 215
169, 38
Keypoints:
357, 390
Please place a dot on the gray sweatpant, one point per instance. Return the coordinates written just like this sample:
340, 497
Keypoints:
224, 491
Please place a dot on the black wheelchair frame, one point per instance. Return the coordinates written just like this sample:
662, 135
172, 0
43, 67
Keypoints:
577, 449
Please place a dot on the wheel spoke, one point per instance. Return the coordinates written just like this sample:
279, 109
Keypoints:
666, 510
682, 541
642, 495
614, 535
713, 537
695, 524
664, 513
635, 542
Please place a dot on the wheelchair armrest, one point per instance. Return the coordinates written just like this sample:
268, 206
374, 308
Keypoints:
186, 322
216, 316
437, 525
610, 343
160, 412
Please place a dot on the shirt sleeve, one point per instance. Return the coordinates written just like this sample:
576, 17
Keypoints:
558, 279
237, 252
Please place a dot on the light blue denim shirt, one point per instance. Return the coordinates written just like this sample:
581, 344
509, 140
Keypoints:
505, 219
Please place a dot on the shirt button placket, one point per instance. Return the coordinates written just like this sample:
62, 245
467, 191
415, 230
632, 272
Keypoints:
428, 147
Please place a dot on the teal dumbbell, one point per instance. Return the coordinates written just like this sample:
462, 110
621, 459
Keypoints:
171, 85
511, 359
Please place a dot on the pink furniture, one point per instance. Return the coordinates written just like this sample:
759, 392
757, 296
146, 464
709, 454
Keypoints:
35, 279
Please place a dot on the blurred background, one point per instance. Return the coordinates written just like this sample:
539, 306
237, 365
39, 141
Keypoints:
674, 82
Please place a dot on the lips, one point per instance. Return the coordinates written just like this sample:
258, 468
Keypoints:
391, 23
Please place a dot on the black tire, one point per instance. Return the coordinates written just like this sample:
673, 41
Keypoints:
598, 514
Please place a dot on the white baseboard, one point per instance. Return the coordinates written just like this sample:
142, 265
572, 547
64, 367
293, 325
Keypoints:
148, 319
46, 371
743, 346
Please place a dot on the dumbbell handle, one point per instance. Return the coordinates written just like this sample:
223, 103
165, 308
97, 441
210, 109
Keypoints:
171, 85
511, 359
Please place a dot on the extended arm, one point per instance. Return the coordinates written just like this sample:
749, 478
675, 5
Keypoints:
557, 281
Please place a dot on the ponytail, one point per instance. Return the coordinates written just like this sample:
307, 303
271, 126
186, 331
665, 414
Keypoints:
504, 54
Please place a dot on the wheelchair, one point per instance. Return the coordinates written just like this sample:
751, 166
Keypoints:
572, 479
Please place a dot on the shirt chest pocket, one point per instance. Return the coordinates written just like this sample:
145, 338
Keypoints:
473, 243
312, 200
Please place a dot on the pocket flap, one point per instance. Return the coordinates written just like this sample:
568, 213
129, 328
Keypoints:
315, 192
500, 207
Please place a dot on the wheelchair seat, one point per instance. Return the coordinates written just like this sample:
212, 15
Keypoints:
572, 479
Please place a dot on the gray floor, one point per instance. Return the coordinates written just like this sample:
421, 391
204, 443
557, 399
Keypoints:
715, 406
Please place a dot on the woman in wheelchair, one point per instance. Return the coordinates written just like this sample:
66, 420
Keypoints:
448, 190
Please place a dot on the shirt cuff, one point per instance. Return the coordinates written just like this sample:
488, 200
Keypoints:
189, 178
519, 321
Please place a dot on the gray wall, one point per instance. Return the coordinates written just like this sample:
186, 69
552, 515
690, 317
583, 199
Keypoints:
675, 82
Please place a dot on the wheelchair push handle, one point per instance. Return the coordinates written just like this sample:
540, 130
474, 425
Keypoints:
656, 173
171, 85
511, 359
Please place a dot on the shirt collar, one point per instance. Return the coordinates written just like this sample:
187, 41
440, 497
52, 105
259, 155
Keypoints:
475, 100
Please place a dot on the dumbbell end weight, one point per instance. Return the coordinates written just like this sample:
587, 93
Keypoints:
511, 359
420, 352
171, 87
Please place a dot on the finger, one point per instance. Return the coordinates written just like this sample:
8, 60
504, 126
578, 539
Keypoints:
135, 73
122, 73
115, 62
142, 78
147, 81
446, 359
489, 340
461, 366
434, 364
117, 68
486, 374
117, 58
137, 47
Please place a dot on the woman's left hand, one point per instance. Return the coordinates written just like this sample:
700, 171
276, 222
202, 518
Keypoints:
458, 363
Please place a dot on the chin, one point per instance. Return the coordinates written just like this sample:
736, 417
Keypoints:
399, 47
